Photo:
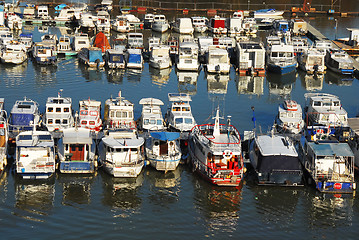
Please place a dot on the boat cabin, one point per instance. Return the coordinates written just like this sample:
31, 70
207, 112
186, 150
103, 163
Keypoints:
119, 113
90, 115
179, 115
151, 117
58, 115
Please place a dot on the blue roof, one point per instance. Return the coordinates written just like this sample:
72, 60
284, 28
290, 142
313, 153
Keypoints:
331, 149
165, 136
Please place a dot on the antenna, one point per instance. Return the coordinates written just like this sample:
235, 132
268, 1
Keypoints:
253, 117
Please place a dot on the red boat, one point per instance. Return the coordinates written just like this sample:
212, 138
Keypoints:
102, 42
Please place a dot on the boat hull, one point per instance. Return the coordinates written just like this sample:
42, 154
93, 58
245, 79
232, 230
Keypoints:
281, 69
124, 171
164, 163
76, 167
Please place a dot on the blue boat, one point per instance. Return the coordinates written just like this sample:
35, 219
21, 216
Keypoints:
281, 59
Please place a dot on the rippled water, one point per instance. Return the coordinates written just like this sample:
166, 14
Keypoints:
179, 204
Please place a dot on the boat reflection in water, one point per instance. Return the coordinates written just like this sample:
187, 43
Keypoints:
280, 85
250, 85
187, 82
34, 199
76, 189
217, 83
311, 82
45, 75
134, 75
337, 79
160, 77
90, 74
13, 75
115, 75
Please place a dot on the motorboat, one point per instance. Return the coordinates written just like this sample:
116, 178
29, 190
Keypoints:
289, 118
134, 22
64, 47
103, 24
275, 160
216, 152
151, 117
13, 21
199, 24
235, 26
68, 13
183, 26
160, 23
300, 44
135, 40
312, 61
26, 40
87, 23
299, 26
250, 58
49, 39
115, 58
281, 59
163, 150
29, 11
35, 154
325, 109
44, 53
160, 57
218, 60
80, 41
14, 53
281, 27
121, 153
43, 12
217, 25
134, 58
268, 13
148, 20
91, 57
203, 45
76, 151
121, 24
179, 116
339, 62
4, 136
90, 115
151, 42
58, 113
187, 59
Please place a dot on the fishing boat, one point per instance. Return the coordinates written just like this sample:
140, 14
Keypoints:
14, 53
312, 61
90, 115
44, 54
217, 25
183, 26
289, 118
216, 152
268, 13
329, 165
115, 58
325, 110
76, 151
64, 47
339, 61
151, 117
163, 150
80, 41
35, 154
250, 58
134, 58
160, 23
218, 60
179, 116
160, 57
23, 115
4, 136
199, 24
281, 59
187, 59
58, 113
121, 24
121, 153
275, 160
91, 57
102, 42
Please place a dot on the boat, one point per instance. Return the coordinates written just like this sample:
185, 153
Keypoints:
216, 153
49, 39
43, 12
13, 21
281, 27
103, 23
44, 54
235, 26
289, 118
199, 24
151, 42
134, 22
163, 150
339, 62
102, 42
160, 57
183, 26
29, 11
268, 13
115, 58
135, 40
87, 23
23, 115
203, 44
148, 20
134, 58
26, 40
187, 59
76, 151
218, 60
121, 153
275, 160
14, 53
329, 165
151, 117
80, 40
300, 44
217, 25
299, 26
4, 137
179, 116
160, 23
312, 61
281, 59
91, 57
90, 115
35, 154
325, 109
68, 13
121, 24
58, 113
250, 58
64, 47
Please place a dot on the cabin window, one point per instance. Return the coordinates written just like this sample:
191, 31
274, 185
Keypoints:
87, 147
64, 121
175, 109
92, 122
179, 120
186, 109
188, 120
336, 103
153, 122
274, 54
58, 121
317, 103
50, 121
66, 147
327, 104
118, 114
146, 122
124, 115
118, 149
83, 122
83, 112
134, 150
50, 109
159, 122
58, 110
66, 110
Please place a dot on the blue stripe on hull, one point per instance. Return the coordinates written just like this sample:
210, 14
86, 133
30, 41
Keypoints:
282, 70
329, 187
77, 167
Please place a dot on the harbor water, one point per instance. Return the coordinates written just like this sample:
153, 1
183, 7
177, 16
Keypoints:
178, 204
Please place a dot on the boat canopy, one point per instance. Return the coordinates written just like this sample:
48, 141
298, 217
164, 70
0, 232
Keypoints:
95, 54
77, 136
135, 58
150, 101
331, 149
123, 142
165, 136
177, 97
21, 119
278, 162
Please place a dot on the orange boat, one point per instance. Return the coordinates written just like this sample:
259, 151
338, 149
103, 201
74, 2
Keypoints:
102, 42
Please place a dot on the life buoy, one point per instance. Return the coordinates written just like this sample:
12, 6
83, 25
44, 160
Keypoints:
227, 154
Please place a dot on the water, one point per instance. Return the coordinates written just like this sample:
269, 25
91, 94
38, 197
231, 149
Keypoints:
179, 204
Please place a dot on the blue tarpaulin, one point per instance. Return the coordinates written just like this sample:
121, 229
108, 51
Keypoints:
29, 35
94, 55
134, 58
21, 119
165, 136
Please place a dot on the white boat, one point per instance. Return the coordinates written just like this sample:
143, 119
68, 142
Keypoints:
172, 42
300, 44
160, 23
14, 53
250, 58
79, 41
135, 40
107, 4
68, 13
4, 136
35, 154
183, 26
312, 61
115, 58
199, 24
268, 13
151, 42
43, 12
275, 160
179, 116
91, 57
121, 24
281, 59
325, 110
121, 153
5, 37
216, 152
13, 21
299, 26
163, 150
187, 59
160, 57
339, 61
64, 47
134, 58
217, 25
203, 44
44, 54
151, 117
119, 114
235, 26
87, 23
148, 20
26, 40
103, 24
218, 60
289, 118
90, 115
29, 11
76, 151
133, 21
58, 113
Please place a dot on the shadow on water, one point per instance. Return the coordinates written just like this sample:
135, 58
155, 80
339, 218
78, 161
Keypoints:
280, 86
187, 82
311, 82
